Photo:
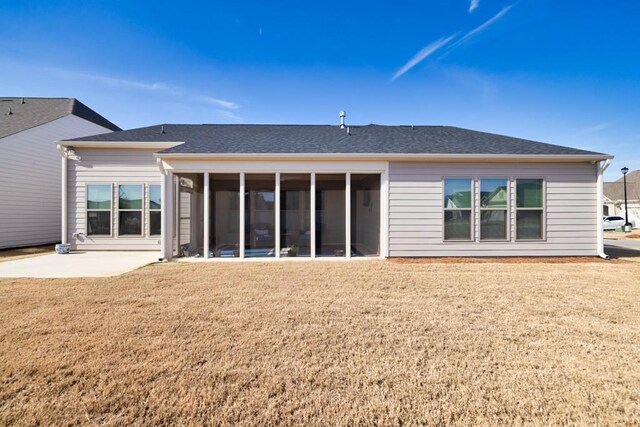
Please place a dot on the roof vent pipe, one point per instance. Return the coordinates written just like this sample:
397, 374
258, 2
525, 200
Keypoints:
10, 112
162, 129
348, 130
21, 100
343, 114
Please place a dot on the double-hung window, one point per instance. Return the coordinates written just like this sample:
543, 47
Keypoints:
155, 210
130, 202
529, 209
457, 208
494, 205
99, 209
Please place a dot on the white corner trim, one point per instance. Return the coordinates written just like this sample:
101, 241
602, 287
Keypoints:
599, 199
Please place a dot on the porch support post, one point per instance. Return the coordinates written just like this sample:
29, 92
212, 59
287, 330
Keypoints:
206, 215
242, 213
347, 226
65, 213
167, 216
312, 220
384, 211
277, 203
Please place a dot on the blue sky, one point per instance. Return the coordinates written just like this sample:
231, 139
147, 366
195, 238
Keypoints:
564, 72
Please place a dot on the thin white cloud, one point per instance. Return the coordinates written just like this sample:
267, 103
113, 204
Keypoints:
423, 54
597, 128
175, 92
220, 103
229, 115
482, 27
114, 81
474, 5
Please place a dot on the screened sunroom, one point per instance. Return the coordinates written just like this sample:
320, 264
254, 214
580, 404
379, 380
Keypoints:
304, 215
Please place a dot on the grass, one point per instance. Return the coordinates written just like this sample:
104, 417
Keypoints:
17, 253
621, 235
293, 343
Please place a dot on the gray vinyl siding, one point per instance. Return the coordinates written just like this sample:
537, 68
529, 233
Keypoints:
110, 166
30, 177
416, 209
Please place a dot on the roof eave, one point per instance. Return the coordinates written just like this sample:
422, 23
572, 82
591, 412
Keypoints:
392, 156
121, 144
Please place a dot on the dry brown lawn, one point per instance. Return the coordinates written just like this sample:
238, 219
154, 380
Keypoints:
17, 253
325, 343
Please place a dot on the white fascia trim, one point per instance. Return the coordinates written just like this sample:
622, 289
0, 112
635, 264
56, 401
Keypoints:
388, 157
121, 144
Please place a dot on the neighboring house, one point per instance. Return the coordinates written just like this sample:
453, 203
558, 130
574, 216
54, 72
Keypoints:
30, 175
253, 191
614, 198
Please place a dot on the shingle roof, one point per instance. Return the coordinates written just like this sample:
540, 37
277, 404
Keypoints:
615, 190
27, 113
325, 139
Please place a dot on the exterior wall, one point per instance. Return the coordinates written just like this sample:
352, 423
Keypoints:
416, 209
30, 177
109, 166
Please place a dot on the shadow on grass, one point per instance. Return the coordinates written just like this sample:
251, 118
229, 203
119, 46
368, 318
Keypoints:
616, 252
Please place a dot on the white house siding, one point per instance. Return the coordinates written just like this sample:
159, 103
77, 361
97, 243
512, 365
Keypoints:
416, 209
30, 181
110, 166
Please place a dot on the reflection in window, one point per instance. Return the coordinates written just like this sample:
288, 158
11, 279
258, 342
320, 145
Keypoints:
457, 208
494, 202
155, 210
130, 210
529, 209
99, 210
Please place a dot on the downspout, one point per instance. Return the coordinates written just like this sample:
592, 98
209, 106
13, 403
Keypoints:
163, 210
63, 152
600, 197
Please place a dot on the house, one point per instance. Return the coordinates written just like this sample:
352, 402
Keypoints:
614, 198
30, 193
307, 191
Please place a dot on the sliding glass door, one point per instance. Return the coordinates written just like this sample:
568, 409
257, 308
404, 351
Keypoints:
295, 215
259, 215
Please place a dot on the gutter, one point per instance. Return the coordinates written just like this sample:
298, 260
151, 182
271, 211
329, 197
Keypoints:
600, 231
388, 156
163, 171
160, 145
65, 223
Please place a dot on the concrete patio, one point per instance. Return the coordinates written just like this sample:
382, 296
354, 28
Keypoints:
77, 264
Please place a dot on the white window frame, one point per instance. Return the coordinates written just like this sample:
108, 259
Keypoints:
507, 209
149, 210
471, 209
141, 210
543, 222
87, 210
